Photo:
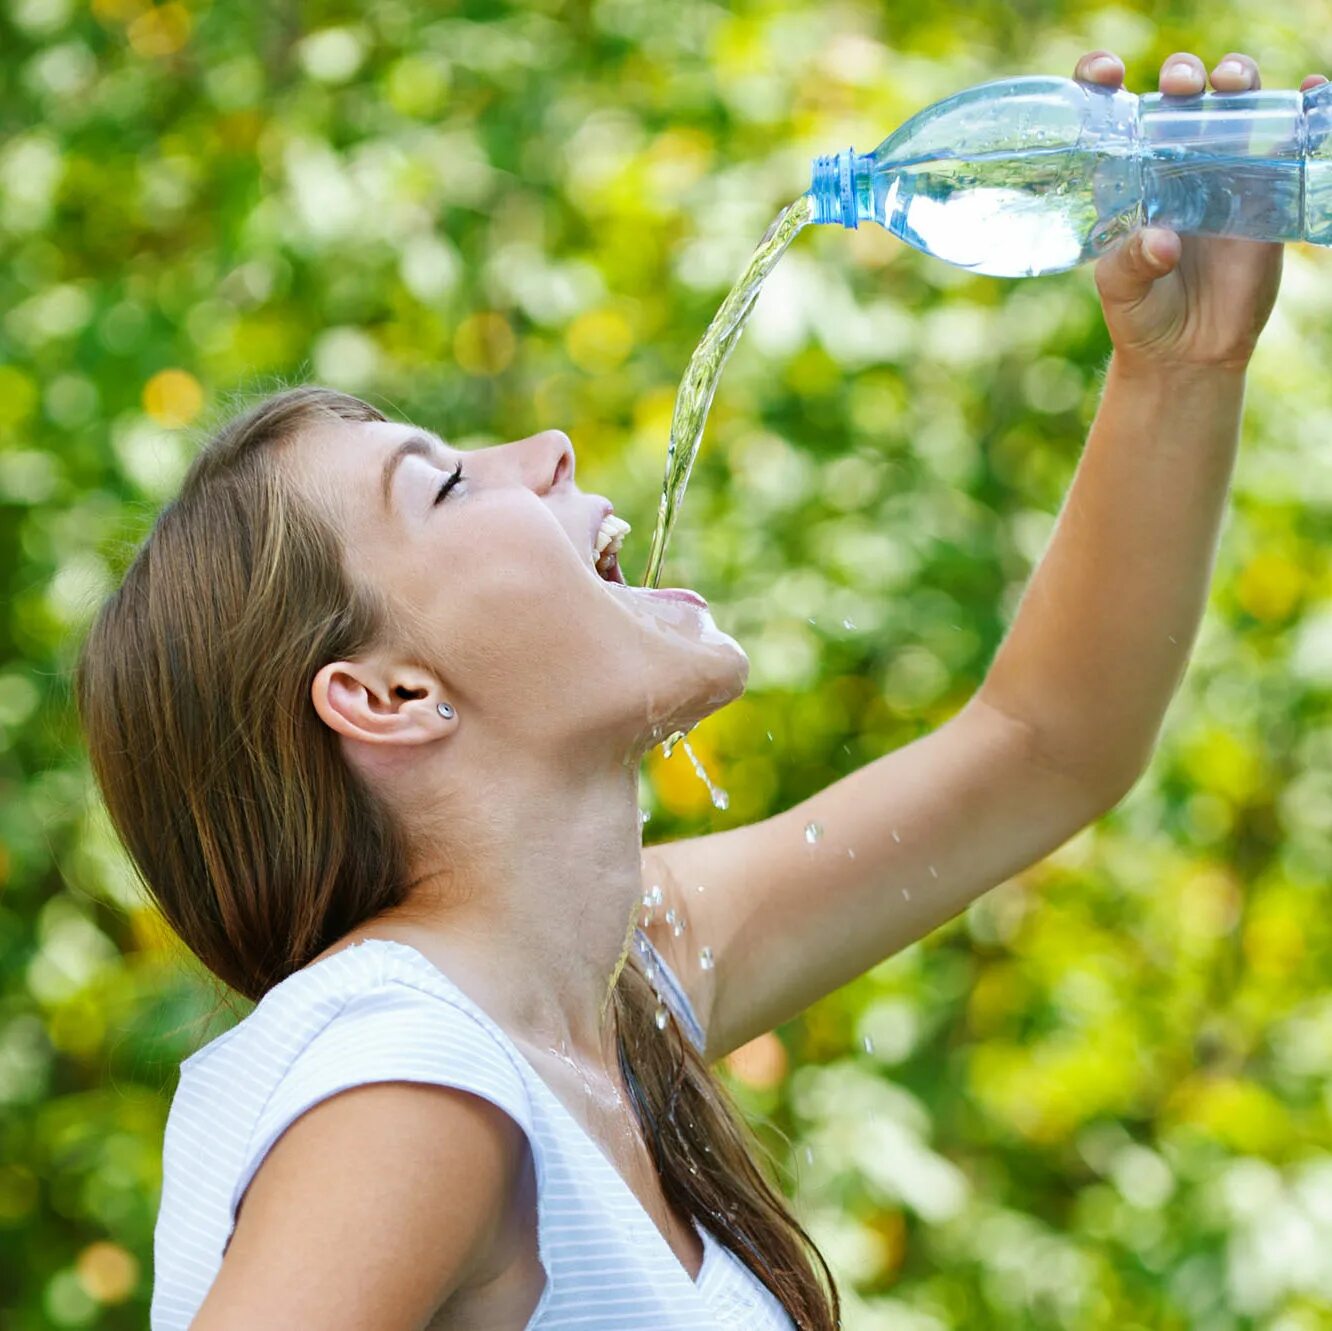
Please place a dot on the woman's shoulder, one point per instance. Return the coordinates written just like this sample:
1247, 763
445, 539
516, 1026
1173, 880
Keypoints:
376, 1009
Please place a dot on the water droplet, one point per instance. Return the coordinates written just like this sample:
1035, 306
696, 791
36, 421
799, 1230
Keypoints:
869, 1045
699, 888
897, 836
644, 816
720, 798
850, 854
705, 959
813, 831
652, 897
809, 1155
677, 928
811, 619
934, 873
847, 624
906, 896
769, 735
671, 916
650, 972
661, 1016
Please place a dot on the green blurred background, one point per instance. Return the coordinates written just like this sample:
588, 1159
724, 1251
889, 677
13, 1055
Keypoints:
1102, 1098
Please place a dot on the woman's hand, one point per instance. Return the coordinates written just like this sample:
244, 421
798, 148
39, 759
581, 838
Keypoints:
1186, 300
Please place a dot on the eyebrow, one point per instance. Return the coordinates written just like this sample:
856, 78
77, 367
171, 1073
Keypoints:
415, 445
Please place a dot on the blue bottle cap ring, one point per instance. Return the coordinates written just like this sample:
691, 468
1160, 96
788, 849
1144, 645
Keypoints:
850, 219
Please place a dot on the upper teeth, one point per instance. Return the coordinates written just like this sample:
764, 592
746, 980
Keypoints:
610, 535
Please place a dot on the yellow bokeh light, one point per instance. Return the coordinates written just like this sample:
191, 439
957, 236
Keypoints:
77, 1027
173, 397
151, 931
484, 344
107, 1271
599, 340
761, 1064
160, 31
1269, 586
18, 396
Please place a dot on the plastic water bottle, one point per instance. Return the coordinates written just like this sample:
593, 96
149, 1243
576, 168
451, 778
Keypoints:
1035, 175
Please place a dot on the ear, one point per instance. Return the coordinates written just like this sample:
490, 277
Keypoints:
380, 704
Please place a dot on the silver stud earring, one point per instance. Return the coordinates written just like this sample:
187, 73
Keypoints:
444, 710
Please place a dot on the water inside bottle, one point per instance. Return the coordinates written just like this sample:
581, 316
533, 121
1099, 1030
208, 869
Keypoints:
1044, 210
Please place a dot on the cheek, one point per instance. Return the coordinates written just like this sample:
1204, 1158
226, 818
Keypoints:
529, 612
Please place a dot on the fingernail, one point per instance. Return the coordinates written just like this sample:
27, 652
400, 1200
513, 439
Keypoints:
1181, 69
1230, 68
1103, 64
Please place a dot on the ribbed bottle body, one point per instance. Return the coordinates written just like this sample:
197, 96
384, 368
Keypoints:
1036, 175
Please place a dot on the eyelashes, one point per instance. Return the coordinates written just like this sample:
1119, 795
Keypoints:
448, 485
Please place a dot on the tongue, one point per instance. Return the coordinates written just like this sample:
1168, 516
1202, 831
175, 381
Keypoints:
608, 567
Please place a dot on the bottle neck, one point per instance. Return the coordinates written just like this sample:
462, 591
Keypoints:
840, 188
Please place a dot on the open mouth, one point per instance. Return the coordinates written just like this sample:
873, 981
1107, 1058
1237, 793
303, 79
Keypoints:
606, 553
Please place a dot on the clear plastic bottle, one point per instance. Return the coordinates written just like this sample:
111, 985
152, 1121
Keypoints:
1036, 175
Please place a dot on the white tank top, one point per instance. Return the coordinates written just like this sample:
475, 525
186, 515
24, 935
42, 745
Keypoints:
380, 1011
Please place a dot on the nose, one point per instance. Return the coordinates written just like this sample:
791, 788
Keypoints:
546, 460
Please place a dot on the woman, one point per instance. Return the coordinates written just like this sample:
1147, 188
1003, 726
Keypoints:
368, 713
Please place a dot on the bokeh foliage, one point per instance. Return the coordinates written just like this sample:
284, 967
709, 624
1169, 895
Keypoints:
1102, 1097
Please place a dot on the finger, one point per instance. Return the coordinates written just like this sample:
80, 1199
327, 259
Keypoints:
1312, 81
1236, 72
1126, 273
1100, 67
1182, 75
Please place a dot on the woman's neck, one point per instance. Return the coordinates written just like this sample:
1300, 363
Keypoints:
531, 899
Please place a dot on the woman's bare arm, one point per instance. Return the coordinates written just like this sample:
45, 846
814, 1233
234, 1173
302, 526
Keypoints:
374, 1208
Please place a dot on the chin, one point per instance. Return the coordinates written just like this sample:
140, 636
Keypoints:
723, 682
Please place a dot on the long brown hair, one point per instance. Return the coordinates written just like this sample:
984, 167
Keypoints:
261, 848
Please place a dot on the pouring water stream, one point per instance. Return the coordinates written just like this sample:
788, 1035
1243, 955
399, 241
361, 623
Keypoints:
693, 400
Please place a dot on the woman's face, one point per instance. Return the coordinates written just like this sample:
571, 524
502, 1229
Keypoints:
496, 573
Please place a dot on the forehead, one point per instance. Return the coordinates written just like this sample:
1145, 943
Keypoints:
358, 452
343, 463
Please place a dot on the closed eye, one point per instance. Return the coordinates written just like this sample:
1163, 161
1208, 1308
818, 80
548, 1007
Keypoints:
448, 485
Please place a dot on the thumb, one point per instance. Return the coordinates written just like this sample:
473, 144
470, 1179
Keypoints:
1126, 273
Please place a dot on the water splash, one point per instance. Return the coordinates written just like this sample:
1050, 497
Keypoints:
694, 397
813, 831
720, 799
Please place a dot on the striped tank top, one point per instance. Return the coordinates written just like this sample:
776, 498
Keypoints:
380, 1011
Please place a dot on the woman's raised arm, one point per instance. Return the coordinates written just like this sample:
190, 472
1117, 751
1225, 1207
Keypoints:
1069, 712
